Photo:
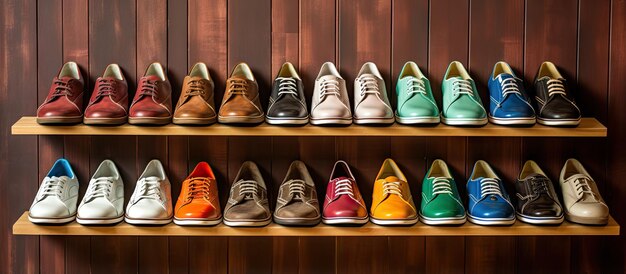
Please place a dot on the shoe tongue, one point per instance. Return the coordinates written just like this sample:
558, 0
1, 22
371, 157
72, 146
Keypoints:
196, 78
329, 78
535, 175
66, 78
152, 78
392, 179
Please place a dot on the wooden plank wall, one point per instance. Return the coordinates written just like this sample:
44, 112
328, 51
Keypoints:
585, 38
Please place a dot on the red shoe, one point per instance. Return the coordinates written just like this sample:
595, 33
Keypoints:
343, 203
109, 100
64, 104
153, 100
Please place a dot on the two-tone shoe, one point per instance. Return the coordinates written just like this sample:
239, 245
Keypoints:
56, 199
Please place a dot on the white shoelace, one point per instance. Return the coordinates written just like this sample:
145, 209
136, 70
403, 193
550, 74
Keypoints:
150, 188
344, 186
509, 86
287, 86
296, 188
462, 87
52, 187
369, 85
415, 86
392, 188
248, 189
100, 188
556, 86
581, 185
489, 186
329, 87
441, 185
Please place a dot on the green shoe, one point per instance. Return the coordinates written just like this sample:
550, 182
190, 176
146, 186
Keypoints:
441, 203
416, 104
461, 102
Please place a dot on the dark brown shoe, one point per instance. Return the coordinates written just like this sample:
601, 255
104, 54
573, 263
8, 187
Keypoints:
109, 101
64, 103
297, 202
537, 201
247, 204
196, 105
241, 103
153, 100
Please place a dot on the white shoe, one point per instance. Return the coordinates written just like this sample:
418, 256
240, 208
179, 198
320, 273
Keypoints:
103, 202
581, 197
330, 104
151, 202
371, 105
56, 199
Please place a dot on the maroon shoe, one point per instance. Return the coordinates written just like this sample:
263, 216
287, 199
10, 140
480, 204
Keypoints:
64, 104
153, 101
343, 203
109, 101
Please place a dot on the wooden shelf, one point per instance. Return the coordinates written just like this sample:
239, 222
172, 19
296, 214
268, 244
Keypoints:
24, 227
589, 127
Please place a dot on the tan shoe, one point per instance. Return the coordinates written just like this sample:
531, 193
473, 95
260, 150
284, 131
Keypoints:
247, 204
297, 202
196, 105
241, 102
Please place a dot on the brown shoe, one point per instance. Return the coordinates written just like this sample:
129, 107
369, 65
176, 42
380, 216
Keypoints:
241, 102
64, 103
153, 100
297, 199
247, 204
196, 105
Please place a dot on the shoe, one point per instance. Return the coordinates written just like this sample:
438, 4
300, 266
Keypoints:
287, 104
344, 203
371, 105
151, 202
537, 202
461, 103
64, 103
55, 202
247, 204
103, 202
109, 101
441, 203
152, 104
330, 103
392, 202
198, 202
416, 104
489, 204
196, 105
509, 103
241, 103
581, 197
297, 203
555, 104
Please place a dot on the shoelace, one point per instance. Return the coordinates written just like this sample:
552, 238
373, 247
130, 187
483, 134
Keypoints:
415, 86
287, 86
198, 188
296, 188
462, 87
149, 189
105, 87
556, 86
442, 185
489, 186
329, 87
238, 86
248, 189
369, 85
195, 87
52, 187
538, 186
581, 185
100, 188
509, 86
344, 186
148, 87
62, 88
392, 188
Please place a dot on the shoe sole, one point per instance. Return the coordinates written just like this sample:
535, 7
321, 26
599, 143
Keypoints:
376, 121
490, 221
331, 121
37, 220
248, 223
587, 220
197, 222
287, 121
394, 222
339, 221
194, 121
241, 119
105, 121
443, 221
512, 121
59, 120
541, 221
297, 221
99, 221
149, 120
558, 122
418, 120
465, 121
147, 221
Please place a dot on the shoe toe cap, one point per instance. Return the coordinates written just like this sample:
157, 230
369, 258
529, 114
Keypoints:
49, 208
98, 209
147, 209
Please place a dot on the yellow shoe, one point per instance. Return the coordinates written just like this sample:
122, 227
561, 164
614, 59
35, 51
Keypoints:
392, 203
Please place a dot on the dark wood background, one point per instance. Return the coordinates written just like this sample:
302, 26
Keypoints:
585, 38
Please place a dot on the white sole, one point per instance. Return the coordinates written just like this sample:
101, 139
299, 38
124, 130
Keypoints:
558, 122
147, 222
280, 121
99, 221
394, 222
36, 220
297, 221
418, 120
465, 121
587, 220
247, 223
443, 221
512, 121
241, 119
490, 221
202, 222
379, 121
339, 221
541, 221
331, 121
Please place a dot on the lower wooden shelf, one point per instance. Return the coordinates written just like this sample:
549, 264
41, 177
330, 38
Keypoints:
24, 227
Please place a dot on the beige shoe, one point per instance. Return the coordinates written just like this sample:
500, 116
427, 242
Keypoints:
581, 198
330, 104
371, 105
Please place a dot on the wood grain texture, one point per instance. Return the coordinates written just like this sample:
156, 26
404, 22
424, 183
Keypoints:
285, 34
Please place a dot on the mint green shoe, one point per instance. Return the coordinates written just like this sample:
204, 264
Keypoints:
461, 103
416, 104
441, 203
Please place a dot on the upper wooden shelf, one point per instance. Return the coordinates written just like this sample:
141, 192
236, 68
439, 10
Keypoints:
589, 127
24, 227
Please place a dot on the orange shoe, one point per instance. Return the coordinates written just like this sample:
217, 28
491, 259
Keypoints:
392, 203
198, 202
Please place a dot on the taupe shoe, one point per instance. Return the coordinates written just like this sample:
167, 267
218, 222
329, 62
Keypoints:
247, 204
581, 197
297, 199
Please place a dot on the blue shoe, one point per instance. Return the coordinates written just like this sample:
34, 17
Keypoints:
509, 103
489, 204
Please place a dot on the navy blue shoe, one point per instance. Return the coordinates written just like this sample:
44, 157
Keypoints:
489, 204
508, 102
